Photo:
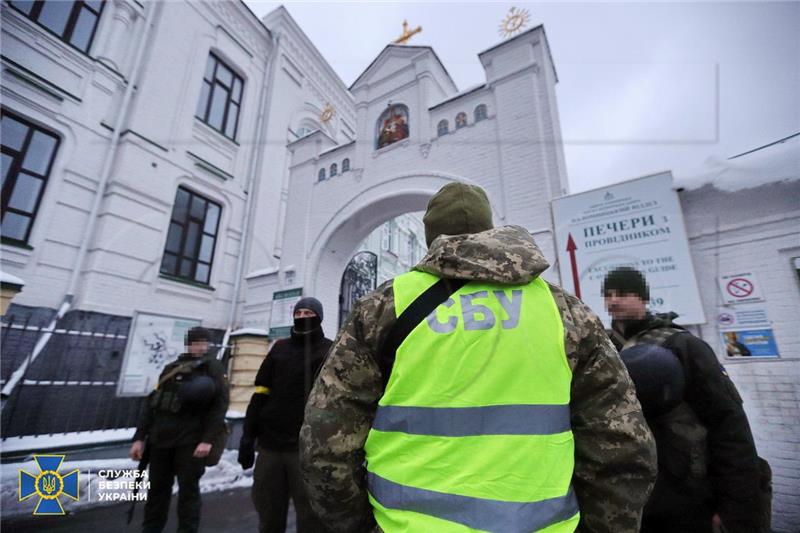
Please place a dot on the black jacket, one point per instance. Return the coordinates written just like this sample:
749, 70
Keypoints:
733, 471
274, 418
169, 422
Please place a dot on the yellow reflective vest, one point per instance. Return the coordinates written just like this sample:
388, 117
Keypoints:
473, 430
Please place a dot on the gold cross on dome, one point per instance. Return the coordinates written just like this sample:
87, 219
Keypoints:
406, 35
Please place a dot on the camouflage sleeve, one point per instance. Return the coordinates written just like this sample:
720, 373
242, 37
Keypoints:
338, 417
615, 453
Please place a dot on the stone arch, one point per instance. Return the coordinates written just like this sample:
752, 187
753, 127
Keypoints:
337, 239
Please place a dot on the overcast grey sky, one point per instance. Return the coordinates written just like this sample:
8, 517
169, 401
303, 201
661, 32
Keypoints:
643, 86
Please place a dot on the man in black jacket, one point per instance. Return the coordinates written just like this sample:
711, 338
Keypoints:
179, 421
274, 417
708, 470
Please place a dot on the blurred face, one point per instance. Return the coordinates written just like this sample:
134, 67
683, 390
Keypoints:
197, 347
624, 306
304, 313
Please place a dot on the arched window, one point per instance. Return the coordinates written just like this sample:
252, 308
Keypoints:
461, 120
480, 112
303, 131
345, 165
333, 169
442, 128
392, 126
321, 175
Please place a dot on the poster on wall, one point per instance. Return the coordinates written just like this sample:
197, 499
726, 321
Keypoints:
282, 316
154, 340
750, 343
637, 223
746, 331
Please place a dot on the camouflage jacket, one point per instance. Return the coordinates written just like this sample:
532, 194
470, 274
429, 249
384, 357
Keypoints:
615, 456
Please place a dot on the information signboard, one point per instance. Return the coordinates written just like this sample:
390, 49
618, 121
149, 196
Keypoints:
154, 340
637, 223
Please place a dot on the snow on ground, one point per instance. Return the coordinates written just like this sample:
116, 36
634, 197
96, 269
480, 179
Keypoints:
226, 475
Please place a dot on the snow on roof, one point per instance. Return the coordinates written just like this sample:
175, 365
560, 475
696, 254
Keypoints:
459, 95
262, 272
773, 163
12, 280
250, 331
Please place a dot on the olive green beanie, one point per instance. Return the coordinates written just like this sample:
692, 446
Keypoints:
456, 209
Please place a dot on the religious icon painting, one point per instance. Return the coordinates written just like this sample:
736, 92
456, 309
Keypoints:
392, 125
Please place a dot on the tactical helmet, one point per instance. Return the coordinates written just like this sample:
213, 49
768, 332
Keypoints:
197, 391
658, 376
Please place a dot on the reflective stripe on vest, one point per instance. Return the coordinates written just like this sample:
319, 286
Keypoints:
473, 430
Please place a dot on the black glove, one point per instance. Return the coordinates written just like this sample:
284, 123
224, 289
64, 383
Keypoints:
247, 453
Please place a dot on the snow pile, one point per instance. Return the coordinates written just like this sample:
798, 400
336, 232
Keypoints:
772, 164
226, 475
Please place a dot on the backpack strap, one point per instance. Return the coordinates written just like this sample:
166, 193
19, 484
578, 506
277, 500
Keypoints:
410, 318
175, 371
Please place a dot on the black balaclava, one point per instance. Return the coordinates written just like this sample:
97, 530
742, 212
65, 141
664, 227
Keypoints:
306, 325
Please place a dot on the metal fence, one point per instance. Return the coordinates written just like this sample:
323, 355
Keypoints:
71, 386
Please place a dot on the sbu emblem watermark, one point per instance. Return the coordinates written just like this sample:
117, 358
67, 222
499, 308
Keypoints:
49, 485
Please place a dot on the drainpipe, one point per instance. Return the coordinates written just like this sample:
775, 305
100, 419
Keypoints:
256, 166
105, 174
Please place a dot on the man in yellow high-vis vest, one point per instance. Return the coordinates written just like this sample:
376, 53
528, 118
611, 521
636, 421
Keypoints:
504, 408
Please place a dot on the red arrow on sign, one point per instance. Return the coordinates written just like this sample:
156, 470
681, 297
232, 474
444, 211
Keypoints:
576, 282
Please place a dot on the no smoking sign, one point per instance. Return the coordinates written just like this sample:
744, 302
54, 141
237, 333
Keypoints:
740, 288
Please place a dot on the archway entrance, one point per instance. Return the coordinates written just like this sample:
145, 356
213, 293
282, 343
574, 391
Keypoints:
340, 237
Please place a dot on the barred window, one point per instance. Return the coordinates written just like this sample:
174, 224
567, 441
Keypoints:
74, 22
346, 165
28, 152
191, 238
220, 97
334, 170
480, 112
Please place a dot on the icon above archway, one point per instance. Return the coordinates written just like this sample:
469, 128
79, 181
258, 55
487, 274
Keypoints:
392, 125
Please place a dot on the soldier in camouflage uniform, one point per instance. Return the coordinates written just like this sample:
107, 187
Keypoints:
615, 462
708, 467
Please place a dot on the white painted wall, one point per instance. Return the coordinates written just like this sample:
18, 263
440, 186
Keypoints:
160, 147
513, 155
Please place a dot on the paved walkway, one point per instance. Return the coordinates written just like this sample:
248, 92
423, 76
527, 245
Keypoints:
224, 511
